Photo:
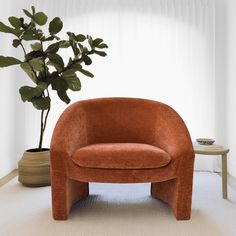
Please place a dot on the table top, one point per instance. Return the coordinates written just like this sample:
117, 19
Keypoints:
213, 149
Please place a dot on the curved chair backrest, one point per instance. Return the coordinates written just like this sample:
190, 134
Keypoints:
130, 120
120, 120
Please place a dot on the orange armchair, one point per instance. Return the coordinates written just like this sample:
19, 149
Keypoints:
121, 140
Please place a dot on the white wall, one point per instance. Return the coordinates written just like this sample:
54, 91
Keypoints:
230, 45
225, 45
13, 112
220, 74
16, 130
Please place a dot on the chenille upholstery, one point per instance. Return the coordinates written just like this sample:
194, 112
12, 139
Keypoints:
121, 156
121, 140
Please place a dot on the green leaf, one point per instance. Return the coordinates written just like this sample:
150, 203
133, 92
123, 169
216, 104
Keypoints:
50, 38
78, 67
56, 61
22, 22
75, 67
97, 41
90, 40
73, 43
6, 29
100, 53
71, 35
8, 61
37, 64
28, 93
55, 25
27, 13
85, 72
70, 62
102, 45
28, 70
64, 44
15, 22
63, 96
36, 46
34, 54
87, 60
42, 103
58, 83
79, 38
53, 48
74, 47
83, 49
42, 86
29, 35
72, 80
16, 43
40, 18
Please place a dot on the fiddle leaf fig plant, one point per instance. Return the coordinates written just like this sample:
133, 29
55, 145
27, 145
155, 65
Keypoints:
44, 65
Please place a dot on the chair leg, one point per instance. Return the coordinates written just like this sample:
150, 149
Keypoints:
177, 193
65, 193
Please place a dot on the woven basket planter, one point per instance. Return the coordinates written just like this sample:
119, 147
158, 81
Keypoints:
34, 168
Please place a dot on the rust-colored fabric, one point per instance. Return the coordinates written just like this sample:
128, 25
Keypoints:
85, 125
121, 156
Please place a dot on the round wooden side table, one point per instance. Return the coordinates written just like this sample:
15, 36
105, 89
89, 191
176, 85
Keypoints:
215, 150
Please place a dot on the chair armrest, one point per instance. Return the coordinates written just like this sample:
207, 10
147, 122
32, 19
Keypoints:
172, 135
69, 134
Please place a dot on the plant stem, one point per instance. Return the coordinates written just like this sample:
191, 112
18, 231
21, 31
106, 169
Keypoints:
43, 124
22, 47
41, 131
42, 121
46, 117
45, 120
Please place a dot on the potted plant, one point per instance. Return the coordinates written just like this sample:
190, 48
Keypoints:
48, 71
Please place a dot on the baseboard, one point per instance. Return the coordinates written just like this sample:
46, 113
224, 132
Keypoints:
8, 177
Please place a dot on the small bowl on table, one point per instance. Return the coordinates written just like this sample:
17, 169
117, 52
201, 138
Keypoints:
205, 141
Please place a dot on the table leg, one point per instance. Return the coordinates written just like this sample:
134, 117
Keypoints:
224, 175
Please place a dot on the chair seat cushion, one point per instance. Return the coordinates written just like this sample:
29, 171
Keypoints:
121, 156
